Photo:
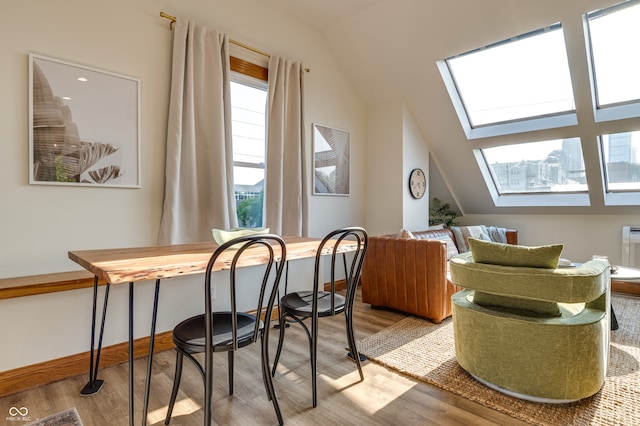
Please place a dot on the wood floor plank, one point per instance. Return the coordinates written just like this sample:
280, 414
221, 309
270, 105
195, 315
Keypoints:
384, 398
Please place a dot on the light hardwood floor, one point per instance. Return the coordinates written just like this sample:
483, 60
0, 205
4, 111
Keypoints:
384, 398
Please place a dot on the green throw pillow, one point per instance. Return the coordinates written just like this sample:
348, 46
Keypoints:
514, 255
549, 309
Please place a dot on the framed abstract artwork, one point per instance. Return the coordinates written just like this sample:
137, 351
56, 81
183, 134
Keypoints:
84, 125
331, 158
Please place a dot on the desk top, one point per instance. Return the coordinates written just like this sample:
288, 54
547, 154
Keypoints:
626, 273
126, 265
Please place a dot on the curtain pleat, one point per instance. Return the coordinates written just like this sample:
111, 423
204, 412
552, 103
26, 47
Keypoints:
199, 192
286, 193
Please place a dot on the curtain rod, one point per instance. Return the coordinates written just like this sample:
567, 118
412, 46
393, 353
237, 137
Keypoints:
237, 43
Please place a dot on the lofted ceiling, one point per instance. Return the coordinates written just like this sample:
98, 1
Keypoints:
389, 49
322, 15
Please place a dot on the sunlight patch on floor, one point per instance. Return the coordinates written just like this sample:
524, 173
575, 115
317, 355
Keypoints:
182, 407
348, 386
289, 375
379, 400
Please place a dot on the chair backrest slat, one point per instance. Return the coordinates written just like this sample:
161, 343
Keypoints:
240, 246
352, 269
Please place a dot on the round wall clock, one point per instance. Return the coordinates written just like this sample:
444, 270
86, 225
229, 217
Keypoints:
417, 183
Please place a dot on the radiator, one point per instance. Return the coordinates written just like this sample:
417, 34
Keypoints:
631, 246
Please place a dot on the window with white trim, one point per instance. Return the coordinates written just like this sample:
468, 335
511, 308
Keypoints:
621, 159
516, 85
544, 173
537, 167
612, 36
248, 111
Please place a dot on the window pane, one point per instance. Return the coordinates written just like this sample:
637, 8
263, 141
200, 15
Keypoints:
614, 36
248, 125
524, 78
248, 105
621, 153
537, 167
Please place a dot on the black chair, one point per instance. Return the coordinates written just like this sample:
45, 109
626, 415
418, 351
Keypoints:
231, 330
302, 305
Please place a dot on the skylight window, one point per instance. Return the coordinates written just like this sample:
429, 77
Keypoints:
621, 159
551, 170
549, 166
523, 85
512, 86
612, 36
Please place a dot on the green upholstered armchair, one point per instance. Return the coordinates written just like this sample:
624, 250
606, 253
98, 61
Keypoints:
533, 332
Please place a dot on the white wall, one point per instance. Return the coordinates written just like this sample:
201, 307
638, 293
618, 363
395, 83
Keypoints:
384, 168
582, 235
395, 146
415, 155
40, 224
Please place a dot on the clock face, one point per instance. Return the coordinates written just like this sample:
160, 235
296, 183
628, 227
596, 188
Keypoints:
417, 183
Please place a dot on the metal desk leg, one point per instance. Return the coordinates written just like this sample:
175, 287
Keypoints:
131, 396
94, 385
150, 358
131, 357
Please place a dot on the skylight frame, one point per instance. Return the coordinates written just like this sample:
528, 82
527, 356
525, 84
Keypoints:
553, 119
619, 196
539, 198
602, 112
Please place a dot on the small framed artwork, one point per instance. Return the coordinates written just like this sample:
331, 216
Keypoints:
331, 158
84, 125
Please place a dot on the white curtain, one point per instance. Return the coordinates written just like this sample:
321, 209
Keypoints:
199, 191
286, 193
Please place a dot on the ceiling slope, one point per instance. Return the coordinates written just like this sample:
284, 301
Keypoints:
389, 50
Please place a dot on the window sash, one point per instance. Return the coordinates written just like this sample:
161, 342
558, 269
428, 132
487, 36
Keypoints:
611, 35
556, 167
514, 66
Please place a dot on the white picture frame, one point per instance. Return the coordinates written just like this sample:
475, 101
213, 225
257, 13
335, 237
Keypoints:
331, 161
84, 125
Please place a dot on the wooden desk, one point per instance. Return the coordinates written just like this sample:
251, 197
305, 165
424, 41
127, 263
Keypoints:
117, 266
626, 280
130, 265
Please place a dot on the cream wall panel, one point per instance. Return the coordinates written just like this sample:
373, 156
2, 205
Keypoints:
415, 155
384, 168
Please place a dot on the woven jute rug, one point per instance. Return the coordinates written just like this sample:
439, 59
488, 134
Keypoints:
425, 351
